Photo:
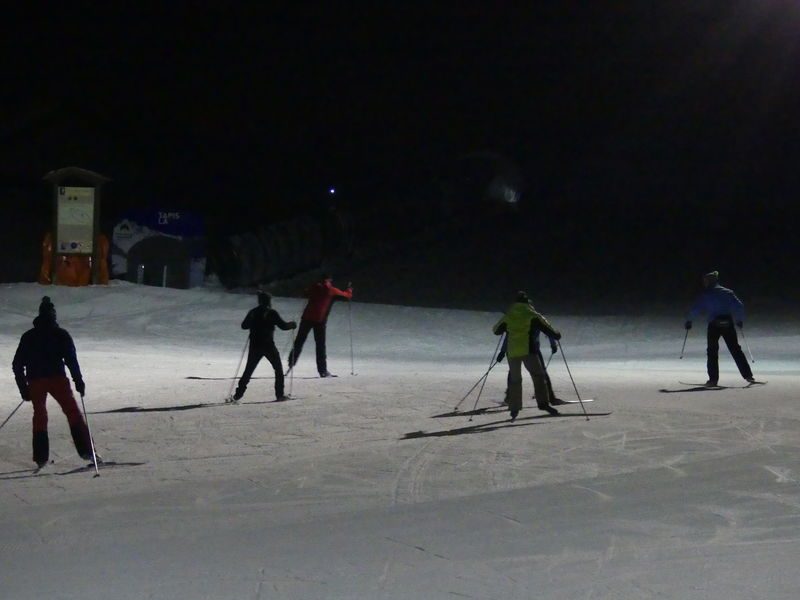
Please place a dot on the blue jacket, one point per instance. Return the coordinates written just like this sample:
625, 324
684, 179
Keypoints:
716, 302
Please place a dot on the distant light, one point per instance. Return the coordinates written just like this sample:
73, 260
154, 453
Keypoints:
332, 191
510, 195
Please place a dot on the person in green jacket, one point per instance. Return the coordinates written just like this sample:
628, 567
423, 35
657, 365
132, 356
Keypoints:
518, 323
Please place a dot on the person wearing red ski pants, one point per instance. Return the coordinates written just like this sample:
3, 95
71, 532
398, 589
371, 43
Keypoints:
59, 388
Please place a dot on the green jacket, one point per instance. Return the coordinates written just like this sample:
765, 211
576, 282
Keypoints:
518, 322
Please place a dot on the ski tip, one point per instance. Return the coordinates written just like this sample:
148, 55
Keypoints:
563, 402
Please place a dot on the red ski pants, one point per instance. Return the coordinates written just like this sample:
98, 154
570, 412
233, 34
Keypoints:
59, 388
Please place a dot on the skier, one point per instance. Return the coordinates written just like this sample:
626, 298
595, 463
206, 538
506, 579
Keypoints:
39, 370
535, 347
518, 322
261, 321
315, 316
722, 309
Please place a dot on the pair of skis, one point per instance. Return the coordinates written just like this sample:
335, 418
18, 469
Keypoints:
724, 387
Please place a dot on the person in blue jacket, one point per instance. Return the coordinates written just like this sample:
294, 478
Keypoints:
722, 309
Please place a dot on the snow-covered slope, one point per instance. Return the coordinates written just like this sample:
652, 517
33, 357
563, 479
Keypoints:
372, 486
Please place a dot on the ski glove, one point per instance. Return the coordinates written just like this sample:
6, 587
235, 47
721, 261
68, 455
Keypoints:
292, 325
501, 356
553, 348
557, 335
25, 393
687, 325
80, 387
739, 324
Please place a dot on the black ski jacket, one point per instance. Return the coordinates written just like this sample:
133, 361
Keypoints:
42, 352
261, 322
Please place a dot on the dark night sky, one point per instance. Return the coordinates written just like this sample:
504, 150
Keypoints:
249, 92
680, 101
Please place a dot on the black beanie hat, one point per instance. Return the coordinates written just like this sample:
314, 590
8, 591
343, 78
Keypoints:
522, 297
264, 299
46, 308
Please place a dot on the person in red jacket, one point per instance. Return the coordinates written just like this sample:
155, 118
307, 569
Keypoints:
315, 316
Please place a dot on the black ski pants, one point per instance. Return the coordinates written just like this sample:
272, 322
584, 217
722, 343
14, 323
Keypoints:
541, 386
254, 356
724, 327
319, 340
546, 376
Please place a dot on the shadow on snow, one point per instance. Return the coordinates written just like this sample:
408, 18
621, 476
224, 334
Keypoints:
197, 377
31, 473
486, 410
494, 425
140, 409
699, 388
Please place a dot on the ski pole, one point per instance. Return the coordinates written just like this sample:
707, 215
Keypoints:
480, 391
239, 366
485, 379
292, 357
350, 318
684, 344
573, 380
549, 358
91, 439
8, 418
477, 383
287, 347
492, 363
746, 345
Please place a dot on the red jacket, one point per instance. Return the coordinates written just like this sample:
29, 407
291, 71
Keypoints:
320, 296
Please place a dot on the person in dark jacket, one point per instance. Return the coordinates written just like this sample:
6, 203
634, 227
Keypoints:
315, 317
39, 370
261, 321
722, 309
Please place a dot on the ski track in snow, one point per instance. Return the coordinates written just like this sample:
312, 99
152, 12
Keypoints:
372, 487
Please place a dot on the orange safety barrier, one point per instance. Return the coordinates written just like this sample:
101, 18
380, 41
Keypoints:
73, 269
47, 259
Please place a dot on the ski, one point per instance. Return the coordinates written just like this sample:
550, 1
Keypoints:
559, 401
723, 387
560, 415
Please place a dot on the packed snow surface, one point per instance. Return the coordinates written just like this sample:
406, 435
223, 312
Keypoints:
372, 485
